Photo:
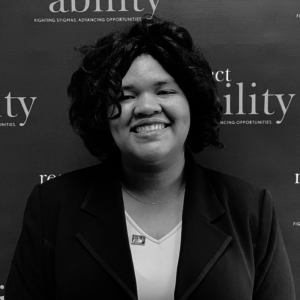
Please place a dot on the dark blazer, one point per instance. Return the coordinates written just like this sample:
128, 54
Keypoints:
74, 242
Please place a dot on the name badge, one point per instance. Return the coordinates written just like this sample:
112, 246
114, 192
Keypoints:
138, 240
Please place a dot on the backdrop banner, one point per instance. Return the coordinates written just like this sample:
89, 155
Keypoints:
252, 45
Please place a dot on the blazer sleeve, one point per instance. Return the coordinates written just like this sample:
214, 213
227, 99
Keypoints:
273, 277
30, 273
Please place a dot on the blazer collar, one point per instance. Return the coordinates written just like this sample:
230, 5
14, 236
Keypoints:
105, 237
201, 243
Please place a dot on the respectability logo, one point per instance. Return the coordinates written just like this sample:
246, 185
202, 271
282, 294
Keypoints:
98, 6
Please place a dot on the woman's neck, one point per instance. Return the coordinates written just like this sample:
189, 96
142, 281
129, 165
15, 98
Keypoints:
154, 182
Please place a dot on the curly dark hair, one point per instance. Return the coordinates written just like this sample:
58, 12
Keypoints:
97, 83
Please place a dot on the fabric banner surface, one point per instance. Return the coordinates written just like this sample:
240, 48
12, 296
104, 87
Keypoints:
253, 47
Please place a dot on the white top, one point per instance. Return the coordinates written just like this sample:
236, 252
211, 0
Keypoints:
155, 262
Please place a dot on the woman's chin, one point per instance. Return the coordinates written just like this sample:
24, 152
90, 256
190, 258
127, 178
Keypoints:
149, 156
156, 154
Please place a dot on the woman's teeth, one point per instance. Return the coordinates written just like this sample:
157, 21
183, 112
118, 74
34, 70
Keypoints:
150, 128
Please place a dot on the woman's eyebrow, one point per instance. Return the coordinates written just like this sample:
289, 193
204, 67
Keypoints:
163, 82
129, 87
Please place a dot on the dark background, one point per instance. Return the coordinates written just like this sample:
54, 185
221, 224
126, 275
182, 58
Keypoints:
256, 41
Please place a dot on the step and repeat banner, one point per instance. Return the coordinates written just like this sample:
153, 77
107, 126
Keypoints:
254, 50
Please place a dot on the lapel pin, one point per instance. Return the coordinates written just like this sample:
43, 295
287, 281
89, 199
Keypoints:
138, 240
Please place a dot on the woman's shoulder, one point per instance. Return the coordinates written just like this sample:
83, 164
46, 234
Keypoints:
227, 181
237, 194
76, 179
69, 189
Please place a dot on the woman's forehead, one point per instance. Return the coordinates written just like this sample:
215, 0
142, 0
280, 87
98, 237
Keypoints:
146, 70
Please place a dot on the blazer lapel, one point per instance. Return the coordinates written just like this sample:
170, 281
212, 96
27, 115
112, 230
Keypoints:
105, 237
201, 243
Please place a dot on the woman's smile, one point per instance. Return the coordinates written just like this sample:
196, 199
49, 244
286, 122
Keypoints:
149, 125
149, 128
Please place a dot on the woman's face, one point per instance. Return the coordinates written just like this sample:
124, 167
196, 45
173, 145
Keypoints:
155, 118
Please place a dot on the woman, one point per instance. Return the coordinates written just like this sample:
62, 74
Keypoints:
148, 222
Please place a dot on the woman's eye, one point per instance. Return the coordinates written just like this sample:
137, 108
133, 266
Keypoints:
126, 97
166, 92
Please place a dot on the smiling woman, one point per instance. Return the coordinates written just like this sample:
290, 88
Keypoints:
100, 82
148, 222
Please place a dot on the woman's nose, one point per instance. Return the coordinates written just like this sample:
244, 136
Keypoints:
147, 104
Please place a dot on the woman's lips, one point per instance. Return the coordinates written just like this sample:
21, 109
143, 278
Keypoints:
149, 128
